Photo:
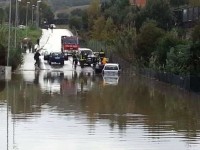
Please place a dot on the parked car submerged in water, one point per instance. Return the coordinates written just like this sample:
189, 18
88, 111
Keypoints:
111, 73
111, 69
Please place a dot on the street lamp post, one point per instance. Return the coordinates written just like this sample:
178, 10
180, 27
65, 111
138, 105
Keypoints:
16, 11
9, 32
27, 4
33, 7
37, 19
16, 21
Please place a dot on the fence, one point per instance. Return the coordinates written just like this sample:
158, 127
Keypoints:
190, 83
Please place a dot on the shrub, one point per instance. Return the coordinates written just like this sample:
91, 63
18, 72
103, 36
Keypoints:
178, 60
147, 40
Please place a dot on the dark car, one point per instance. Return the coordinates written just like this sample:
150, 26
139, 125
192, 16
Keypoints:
56, 57
46, 56
86, 57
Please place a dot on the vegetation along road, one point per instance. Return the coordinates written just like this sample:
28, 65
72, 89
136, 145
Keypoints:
63, 107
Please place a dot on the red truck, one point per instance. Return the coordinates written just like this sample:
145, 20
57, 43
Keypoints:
69, 44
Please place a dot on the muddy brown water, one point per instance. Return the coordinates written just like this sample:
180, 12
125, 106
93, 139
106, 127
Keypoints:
81, 111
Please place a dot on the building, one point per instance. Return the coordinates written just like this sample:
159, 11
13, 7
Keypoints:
139, 3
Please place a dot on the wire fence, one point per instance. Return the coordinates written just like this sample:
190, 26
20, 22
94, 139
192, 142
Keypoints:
189, 82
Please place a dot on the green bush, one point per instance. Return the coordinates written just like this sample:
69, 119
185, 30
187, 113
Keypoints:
196, 33
165, 43
178, 60
195, 58
15, 58
147, 40
15, 54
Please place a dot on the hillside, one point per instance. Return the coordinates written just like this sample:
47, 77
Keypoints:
68, 10
63, 4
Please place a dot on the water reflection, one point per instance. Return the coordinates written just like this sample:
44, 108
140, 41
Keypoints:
150, 114
110, 80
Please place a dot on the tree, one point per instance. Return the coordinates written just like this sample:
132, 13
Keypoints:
195, 59
194, 2
93, 12
62, 15
178, 60
178, 2
77, 12
75, 22
118, 10
160, 11
2, 15
169, 40
46, 12
147, 40
125, 43
140, 18
196, 33
98, 27
109, 31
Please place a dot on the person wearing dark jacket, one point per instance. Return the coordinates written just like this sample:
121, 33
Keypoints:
37, 58
75, 59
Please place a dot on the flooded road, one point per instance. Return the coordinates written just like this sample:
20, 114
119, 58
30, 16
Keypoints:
78, 110
57, 108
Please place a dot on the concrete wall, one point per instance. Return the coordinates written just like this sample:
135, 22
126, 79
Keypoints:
5, 73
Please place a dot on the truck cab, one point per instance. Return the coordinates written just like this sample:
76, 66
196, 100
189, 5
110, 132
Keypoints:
69, 44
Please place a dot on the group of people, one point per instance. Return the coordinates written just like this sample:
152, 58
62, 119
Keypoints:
102, 58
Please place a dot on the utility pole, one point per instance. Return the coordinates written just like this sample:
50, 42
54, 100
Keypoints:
37, 19
27, 4
16, 20
33, 7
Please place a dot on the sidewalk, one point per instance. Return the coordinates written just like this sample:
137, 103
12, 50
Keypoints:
44, 38
29, 61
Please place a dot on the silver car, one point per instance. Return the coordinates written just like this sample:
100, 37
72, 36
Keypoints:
111, 73
111, 69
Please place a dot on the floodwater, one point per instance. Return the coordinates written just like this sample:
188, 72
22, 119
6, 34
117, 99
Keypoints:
80, 111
